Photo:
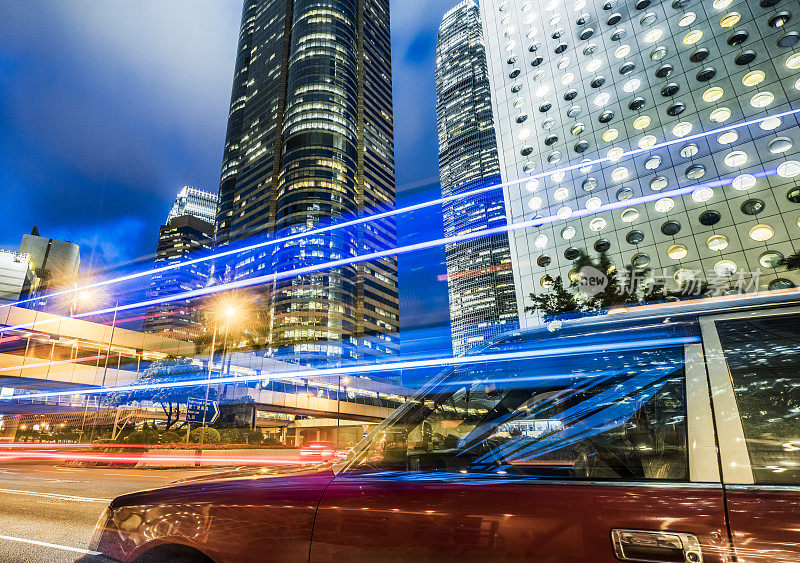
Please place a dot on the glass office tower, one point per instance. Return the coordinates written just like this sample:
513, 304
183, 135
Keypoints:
480, 281
662, 133
310, 142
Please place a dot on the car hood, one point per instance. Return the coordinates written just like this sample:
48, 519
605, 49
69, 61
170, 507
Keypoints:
244, 481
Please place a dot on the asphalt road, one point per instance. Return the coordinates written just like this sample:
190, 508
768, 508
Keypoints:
48, 513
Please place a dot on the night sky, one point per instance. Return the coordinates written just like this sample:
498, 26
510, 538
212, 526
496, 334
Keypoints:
108, 107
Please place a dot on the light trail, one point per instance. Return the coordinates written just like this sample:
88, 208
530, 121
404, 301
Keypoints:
268, 278
387, 214
190, 459
379, 368
51, 545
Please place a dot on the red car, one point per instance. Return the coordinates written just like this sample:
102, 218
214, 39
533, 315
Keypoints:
668, 433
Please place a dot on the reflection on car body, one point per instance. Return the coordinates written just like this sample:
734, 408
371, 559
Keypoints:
667, 434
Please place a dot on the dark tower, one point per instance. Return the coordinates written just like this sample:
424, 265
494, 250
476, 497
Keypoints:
310, 142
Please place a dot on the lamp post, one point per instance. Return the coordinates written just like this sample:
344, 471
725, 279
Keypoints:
228, 312
105, 366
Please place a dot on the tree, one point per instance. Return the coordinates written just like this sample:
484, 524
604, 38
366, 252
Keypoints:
558, 301
791, 262
160, 373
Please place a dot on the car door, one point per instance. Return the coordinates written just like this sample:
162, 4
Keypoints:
575, 453
754, 368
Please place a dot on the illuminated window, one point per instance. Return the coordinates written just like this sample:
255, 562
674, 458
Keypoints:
761, 233
653, 35
664, 205
561, 194
793, 61
641, 122
647, 142
568, 233
593, 203
753, 77
687, 19
677, 252
610, 135
702, 194
692, 37
540, 241
736, 159
597, 224
682, 129
629, 215
725, 268
789, 169
720, 115
728, 137
622, 51
535, 203
717, 243
532, 185
713, 94
744, 182
620, 174
731, 19
762, 99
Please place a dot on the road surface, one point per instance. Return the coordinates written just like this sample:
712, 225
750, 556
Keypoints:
48, 513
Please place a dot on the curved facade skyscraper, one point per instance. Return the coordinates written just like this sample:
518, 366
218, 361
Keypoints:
480, 280
310, 142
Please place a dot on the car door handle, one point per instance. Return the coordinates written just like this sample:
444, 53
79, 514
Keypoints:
655, 547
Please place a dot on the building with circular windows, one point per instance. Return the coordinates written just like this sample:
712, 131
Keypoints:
660, 137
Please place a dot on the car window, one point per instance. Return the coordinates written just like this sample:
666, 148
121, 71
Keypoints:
581, 414
762, 357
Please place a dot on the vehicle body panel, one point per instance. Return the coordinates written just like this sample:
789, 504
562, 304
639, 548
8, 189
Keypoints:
471, 519
235, 519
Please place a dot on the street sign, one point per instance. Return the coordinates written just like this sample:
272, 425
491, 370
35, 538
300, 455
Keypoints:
196, 407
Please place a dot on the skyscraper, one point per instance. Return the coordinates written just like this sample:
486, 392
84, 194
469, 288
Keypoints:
194, 202
310, 141
648, 131
480, 281
186, 233
56, 264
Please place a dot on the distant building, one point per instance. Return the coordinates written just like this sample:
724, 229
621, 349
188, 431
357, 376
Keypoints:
177, 239
189, 229
17, 277
57, 263
479, 277
195, 202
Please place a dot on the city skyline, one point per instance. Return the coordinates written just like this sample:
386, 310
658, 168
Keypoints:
413, 37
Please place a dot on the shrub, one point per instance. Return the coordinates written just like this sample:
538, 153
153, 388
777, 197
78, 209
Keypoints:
171, 437
211, 436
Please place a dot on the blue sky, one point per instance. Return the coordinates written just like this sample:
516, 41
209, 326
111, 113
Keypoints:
108, 107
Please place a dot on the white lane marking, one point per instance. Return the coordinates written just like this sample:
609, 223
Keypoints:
140, 476
53, 545
54, 495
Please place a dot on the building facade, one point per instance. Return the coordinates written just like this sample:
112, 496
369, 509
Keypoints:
195, 202
17, 277
182, 237
56, 266
310, 142
187, 233
479, 277
654, 132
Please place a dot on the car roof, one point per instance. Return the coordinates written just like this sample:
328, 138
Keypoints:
651, 315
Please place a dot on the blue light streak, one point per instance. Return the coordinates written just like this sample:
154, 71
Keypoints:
368, 369
407, 209
268, 278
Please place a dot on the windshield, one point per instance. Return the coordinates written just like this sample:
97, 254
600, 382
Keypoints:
599, 415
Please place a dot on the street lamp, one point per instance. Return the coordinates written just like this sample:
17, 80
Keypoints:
226, 310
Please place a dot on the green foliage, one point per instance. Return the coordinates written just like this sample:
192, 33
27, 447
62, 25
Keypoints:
172, 437
241, 436
636, 286
211, 435
171, 399
791, 262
